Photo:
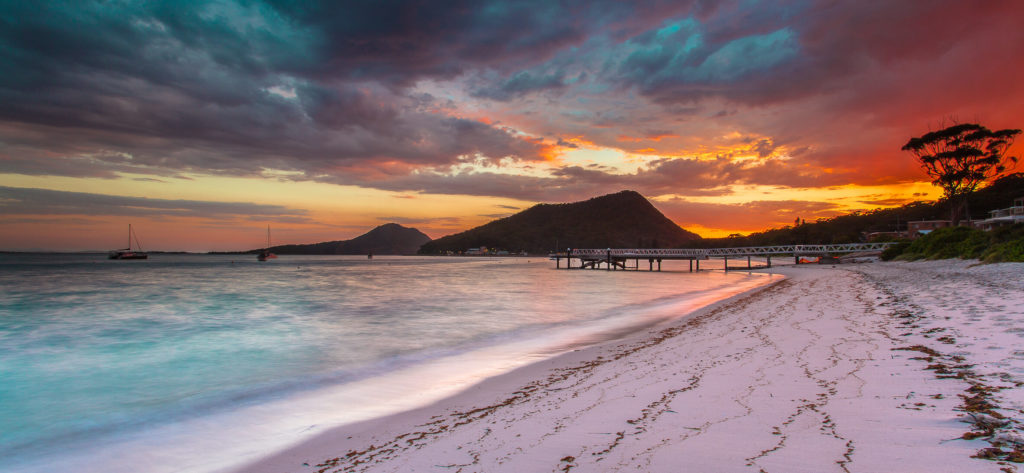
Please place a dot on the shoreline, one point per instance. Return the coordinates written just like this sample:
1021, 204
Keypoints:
510, 381
820, 364
494, 386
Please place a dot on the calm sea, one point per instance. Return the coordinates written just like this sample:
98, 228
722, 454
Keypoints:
196, 362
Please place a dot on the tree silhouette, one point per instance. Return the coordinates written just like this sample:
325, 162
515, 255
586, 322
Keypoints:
961, 157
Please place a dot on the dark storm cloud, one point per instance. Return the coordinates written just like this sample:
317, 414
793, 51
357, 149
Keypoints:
676, 61
768, 52
31, 201
246, 140
238, 88
400, 41
522, 83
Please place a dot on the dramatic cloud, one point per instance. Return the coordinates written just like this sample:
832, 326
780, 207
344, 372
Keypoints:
534, 100
522, 83
45, 202
92, 90
683, 176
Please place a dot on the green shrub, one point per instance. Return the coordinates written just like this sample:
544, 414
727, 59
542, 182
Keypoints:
1012, 250
895, 250
974, 245
1007, 233
1002, 244
947, 242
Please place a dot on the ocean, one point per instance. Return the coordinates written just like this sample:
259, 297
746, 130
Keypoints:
194, 363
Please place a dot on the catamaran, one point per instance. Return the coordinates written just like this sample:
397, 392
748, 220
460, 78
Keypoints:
265, 253
127, 253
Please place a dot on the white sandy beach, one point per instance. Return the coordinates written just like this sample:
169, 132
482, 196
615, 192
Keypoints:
810, 374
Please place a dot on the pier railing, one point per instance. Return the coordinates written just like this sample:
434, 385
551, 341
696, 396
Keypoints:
704, 253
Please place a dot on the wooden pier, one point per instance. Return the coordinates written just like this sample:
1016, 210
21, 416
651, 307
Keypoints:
619, 258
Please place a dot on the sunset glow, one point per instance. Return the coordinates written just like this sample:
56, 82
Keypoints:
202, 124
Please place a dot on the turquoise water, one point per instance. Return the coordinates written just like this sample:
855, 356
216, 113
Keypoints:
104, 364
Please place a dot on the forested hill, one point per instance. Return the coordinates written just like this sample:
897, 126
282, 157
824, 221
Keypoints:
387, 239
851, 228
622, 220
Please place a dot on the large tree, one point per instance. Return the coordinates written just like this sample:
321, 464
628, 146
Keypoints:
961, 157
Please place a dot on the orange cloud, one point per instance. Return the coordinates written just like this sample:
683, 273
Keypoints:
650, 137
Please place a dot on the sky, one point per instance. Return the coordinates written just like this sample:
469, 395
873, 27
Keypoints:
202, 123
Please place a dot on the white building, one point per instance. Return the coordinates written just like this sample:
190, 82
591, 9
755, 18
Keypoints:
1007, 216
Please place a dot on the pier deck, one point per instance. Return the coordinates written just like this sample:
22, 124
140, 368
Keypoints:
617, 258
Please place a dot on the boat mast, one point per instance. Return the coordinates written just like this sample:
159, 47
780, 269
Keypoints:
129, 237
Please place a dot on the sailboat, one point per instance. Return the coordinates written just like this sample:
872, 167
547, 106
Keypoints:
127, 253
265, 253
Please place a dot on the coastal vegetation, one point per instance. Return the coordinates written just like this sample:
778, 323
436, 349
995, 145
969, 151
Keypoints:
961, 157
856, 226
1002, 244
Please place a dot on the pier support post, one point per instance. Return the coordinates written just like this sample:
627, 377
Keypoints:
727, 264
748, 262
769, 261
796, 259
691, 265
659, 265
650, 264
698, 265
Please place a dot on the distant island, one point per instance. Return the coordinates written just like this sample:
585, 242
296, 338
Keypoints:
387, 239
621, 220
